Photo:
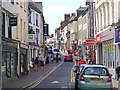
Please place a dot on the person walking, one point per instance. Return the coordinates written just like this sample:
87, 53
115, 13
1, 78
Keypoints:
57, 59
47, 59
40, 59
117, 69
36, 63
82, 61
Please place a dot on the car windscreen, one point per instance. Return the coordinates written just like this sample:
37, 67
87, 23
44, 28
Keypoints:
96, 71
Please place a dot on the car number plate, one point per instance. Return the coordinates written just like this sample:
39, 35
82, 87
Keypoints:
96, 79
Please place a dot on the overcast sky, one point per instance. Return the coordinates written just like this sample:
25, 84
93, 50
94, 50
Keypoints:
54, 11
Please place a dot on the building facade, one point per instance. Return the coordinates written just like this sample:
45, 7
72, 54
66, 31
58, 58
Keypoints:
21, 34
9, 43
83, 31
106, 19
35, 30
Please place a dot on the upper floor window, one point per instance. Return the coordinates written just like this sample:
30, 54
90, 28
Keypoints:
36, 19
25, 5
21, 3
12, 1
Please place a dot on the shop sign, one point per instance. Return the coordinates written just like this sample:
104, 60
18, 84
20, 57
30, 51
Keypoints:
13, 21
117, 36
31, 38
90, 42
98, 38
107, 35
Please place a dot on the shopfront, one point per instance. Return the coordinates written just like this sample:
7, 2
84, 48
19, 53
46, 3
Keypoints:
117, 47
23, 58
9, 58
108, 49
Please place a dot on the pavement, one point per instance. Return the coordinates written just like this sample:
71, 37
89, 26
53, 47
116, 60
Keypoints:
116, 84
26, 80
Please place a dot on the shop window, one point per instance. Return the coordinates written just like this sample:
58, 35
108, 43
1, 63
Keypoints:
22, 63
12, 1
8, 65
12, 62
3, 24
3, 64
37, 20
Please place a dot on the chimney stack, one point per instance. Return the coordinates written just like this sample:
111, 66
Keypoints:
66, 17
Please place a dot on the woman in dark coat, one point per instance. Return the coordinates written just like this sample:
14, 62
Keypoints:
36, 63
47, 59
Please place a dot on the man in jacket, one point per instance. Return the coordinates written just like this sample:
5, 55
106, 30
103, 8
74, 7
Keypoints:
117, 69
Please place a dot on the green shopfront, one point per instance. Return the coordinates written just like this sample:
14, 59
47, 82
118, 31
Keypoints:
9, 58
23, 59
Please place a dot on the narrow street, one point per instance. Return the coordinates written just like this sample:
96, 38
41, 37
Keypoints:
59, 79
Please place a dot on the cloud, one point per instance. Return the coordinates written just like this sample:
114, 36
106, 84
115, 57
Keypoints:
57, 9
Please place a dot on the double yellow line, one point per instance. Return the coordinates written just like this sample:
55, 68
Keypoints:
43, 77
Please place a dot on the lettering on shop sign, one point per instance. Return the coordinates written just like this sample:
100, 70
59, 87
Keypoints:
13, 21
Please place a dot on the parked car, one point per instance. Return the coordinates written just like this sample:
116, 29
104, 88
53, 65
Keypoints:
68, 57
94, 77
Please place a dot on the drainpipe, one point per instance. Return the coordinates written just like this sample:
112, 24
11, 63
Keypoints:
0, 43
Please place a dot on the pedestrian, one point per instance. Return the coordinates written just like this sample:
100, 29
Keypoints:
33, 62
47, 59
91, 61
57, 59
82, 61
40, 59
36, 63
117, 69
76, 62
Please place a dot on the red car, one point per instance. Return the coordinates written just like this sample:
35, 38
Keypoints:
68, 57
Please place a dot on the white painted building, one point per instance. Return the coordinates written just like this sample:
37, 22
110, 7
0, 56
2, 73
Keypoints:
35, 28
72, 27
83, 29
106, 19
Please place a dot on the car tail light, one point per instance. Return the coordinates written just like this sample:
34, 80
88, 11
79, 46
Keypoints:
109, 79
81, 78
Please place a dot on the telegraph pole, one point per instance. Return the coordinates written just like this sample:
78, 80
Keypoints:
0, 43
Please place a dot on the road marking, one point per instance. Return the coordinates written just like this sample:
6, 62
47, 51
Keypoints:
64, 87
72, 76
55, 82
39, 80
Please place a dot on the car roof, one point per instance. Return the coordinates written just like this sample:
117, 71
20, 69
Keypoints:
93, 65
